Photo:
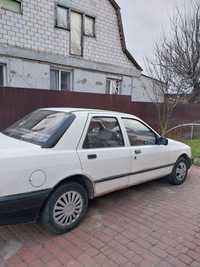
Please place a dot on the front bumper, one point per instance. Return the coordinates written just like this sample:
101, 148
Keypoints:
22, 208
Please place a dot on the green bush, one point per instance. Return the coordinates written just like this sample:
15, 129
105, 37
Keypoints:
195, 145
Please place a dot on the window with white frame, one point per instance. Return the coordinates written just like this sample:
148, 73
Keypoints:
113, 86
60, 80
2, 75
11, 5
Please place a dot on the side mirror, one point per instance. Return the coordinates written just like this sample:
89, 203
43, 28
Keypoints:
163, 141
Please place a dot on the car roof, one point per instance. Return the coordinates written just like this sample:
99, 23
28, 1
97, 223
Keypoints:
78, 110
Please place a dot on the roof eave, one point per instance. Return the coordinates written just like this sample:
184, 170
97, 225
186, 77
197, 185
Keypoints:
122, 35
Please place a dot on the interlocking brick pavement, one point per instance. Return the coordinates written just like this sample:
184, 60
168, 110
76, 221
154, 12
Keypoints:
151, 225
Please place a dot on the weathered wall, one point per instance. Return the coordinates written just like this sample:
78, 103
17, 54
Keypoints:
84, 80
32, 74
146, 89
23, 73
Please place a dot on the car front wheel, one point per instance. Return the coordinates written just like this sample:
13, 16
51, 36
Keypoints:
180, 172
65, 208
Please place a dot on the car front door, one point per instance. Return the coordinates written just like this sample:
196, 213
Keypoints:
149, 159
103, 154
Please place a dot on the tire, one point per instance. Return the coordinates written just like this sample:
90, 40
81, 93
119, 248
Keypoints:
180, 172
65, 208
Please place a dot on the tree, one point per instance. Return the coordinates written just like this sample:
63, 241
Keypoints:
181, 50
176, 64
165, 86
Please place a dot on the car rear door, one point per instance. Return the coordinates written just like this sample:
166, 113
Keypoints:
103, 153
149, 160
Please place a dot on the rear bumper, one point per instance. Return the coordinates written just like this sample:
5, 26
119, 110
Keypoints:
22, 208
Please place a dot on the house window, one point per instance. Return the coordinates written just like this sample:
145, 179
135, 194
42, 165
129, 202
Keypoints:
76, 46
11, 5
113, 86
60, 80
89, 26
2, 75
78, 23
62, 17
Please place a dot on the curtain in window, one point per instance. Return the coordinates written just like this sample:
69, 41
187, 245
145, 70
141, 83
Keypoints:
89, 26
11, 5
65, 81
54, 80
76, 33
113, 86
62, 17
1, 76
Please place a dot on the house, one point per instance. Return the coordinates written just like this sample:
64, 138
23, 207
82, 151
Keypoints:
148, 89
65, 45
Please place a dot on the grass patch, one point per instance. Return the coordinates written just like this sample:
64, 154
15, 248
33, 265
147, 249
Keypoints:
195, 145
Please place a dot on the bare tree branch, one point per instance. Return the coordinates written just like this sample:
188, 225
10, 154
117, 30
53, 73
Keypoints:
177, 64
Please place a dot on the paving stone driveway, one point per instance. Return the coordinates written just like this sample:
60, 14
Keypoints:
151, 225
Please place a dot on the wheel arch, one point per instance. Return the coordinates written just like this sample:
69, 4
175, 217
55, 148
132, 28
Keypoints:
81, 179
78, 178
186, 157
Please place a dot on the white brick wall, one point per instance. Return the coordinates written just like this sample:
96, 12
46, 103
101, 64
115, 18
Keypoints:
35, 30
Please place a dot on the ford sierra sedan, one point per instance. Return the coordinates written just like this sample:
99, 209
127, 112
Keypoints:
53, 161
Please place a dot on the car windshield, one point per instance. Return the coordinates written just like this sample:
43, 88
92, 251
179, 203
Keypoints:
39, 126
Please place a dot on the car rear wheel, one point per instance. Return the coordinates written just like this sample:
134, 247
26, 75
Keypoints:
180, 172
65, 208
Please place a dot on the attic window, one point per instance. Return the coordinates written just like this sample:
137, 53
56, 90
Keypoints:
76, 38
89, 26
62, 17
12, 5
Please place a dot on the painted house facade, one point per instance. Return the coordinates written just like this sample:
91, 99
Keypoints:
65, 45
148, 89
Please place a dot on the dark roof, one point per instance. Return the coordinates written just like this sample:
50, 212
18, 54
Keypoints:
122, 36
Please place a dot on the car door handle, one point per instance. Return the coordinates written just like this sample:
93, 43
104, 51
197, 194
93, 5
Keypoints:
138, 151
92, 156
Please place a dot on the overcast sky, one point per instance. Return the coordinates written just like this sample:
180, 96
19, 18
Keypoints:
144, 21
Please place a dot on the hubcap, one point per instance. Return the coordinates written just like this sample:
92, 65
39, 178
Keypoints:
181, 171
68, 208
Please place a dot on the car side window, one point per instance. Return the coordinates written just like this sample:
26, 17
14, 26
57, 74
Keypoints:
138, 133
103, 132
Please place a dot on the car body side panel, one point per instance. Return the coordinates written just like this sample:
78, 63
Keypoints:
16, 171
108, 164
153, 162
71, 138
177, 149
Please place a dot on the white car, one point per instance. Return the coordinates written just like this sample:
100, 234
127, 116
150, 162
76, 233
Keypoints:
54, 160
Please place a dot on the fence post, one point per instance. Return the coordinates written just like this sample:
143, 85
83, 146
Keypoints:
192, 132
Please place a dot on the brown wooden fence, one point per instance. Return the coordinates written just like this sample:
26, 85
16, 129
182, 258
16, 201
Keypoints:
16, 102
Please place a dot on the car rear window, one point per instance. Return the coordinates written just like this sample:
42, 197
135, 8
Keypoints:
41, 127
